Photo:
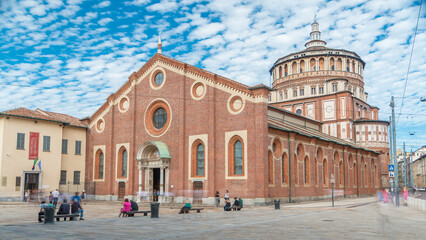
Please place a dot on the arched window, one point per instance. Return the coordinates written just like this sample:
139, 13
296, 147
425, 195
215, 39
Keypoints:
324, 172
348, 64
271, 167
294, 68
332, 64
124, 164
99, 165
306, 170
302, 66
339, 65
312, 64
355, 179
238, 158
336, 160
321, 64
284, 168
200, 160
285, 70
353, 66
280, 72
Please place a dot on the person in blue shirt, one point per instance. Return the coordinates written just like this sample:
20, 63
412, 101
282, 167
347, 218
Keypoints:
42, 207
76, 197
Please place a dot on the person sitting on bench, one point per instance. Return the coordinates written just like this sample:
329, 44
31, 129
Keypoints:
133, 207
236, 204
63, 209
186, 208
126, 207
76, 208
227, 206
42, 207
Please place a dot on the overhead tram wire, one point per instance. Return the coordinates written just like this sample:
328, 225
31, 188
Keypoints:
409, 62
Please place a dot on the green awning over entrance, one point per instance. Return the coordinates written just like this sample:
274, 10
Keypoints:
162, 149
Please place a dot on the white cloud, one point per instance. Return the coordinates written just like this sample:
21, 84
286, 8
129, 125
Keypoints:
137, 2
102, 4
164, 6
104, 21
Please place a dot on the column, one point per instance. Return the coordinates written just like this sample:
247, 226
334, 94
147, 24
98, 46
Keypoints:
147, 189
161, 181
140, 184
166, 182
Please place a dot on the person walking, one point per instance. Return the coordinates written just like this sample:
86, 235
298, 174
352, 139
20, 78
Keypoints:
76, 197
226, 195
55, 196
405, 194
76, 208
83, 197
27, 196
217, 199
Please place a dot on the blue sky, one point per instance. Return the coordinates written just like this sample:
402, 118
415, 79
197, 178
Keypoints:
69, 56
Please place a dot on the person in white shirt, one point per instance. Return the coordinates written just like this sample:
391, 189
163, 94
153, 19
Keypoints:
55, 195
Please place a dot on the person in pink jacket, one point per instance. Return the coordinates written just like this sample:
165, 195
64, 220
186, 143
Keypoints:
385, 196
127, 206
405, 193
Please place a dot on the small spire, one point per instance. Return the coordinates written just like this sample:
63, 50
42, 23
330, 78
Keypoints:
159, 45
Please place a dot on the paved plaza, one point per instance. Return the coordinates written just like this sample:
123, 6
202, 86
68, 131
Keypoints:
350, 219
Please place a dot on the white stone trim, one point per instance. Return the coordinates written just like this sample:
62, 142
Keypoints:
119, 107
228, 105
228, 136
151, 78
117, 149
144, 118
191, 140
95, 149
202, 95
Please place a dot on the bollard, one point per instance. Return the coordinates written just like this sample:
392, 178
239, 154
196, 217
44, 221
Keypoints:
155, 207
49, 213
277, 204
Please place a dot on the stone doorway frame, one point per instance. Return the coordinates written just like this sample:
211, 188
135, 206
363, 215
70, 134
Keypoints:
153, 154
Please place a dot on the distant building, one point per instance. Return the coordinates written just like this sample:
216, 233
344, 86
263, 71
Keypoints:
419, 171
327, 85
55, 142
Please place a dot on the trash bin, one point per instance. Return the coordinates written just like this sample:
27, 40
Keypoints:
49, 213
155, 207
277, 204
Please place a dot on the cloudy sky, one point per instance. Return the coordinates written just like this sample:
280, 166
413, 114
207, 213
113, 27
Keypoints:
69, 56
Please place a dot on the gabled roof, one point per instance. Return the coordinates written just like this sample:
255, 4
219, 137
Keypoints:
39, 114
288, 127
244, 89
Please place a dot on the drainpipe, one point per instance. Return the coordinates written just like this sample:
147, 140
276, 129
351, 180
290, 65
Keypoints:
344, 174
357, 177
289, 169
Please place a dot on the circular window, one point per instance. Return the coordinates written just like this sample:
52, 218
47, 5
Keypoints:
198, 90
277, 147
157, 117
299, 111
159, 77
124, 104
236, 104
100, 125
160, 118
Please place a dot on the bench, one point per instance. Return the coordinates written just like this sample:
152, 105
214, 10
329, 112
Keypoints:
234, 208
64, 216
130, 214
196, 209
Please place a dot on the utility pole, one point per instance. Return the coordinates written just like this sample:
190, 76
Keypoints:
391, 154
395, 162
405, 167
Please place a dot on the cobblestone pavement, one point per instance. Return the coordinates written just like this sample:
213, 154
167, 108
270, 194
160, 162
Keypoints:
349, 219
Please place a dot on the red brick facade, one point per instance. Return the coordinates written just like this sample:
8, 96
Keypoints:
203, 107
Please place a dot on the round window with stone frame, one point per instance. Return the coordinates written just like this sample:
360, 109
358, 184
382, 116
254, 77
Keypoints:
158, 79
299, 111
159, 118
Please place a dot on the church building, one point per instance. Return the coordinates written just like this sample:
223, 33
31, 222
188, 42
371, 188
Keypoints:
185, 133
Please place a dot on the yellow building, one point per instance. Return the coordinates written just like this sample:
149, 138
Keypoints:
54, 142
419, 172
